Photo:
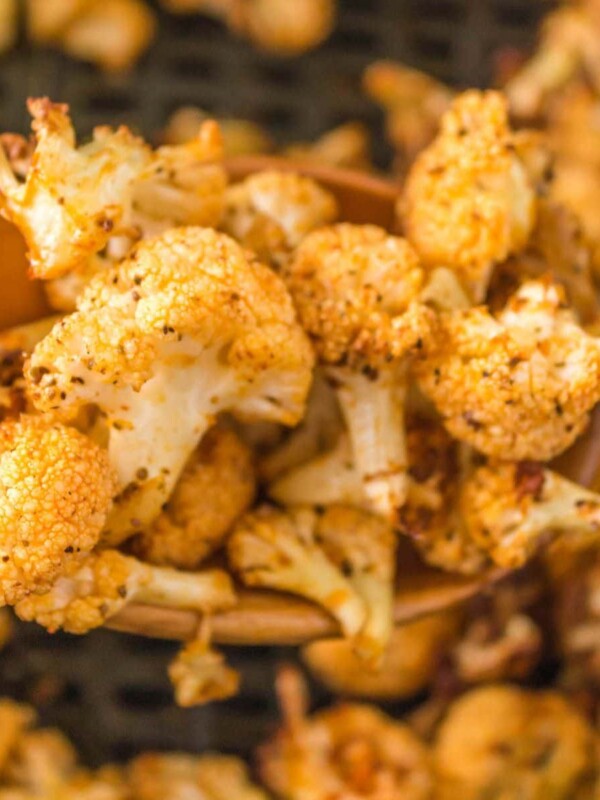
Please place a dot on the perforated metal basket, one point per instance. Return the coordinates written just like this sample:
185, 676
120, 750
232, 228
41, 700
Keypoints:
110, 692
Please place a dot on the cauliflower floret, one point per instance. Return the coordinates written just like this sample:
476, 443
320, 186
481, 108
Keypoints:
510, 509
183, 329
363, 546
350, 751
156, 776
240, 136
89, 594
41, 762
56, 489
409, 665
557, 248
110, 33
503, 741
216, 487
73, 198
200, 675
9, 19
468, 202
346, 146
518, 385
569, 41
280, 550
414, 102
355, 288
15, 719
577, 186
271, 212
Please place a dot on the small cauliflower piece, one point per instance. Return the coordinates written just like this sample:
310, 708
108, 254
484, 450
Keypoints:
558, 247
347, 147
240, 136
568, 42
185, 328
409, 664
112, 34
271, 213
350, 751
518, 385
155, 776
217, 485
511, 509
56, 489
89, 594
363, 546
73, 198
468, 201
355, 288
200, 675
15, 719
414, 103
41, 762
503, 741
281, 550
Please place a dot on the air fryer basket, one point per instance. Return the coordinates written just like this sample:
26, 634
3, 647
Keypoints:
108, 691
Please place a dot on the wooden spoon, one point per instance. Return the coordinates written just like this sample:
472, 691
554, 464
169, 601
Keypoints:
261, 617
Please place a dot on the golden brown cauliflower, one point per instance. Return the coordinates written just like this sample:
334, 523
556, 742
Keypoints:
356, 290
351, 751
215, 488
273, 25
15, 719
72, 198
240, 136
9, 23
505, 742
156, 776
90, 593
271, 212
282, 550
346, 146
56, 489
200, 675
517, 385
558, 247
511, 509
185, 328
409, 665
468, 201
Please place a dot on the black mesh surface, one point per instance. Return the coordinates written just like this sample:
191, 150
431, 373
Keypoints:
110, 692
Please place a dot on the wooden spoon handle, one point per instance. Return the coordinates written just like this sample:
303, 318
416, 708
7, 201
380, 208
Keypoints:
270, 618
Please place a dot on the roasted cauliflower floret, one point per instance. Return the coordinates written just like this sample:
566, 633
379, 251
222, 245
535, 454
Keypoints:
355, 288
216, 487
271, 212
90, 593
409, 664
240, 136
352, 751
73, 198
200, 675
468, 203
363, 546
518, 385
503, 741
41, 762
346, 146
155, 776
281, 550
510, 509
56, 488
15, 719
183, 329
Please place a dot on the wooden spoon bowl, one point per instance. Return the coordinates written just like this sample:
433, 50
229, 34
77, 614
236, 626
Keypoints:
262, 617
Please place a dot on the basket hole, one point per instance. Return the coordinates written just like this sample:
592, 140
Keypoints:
354, 39
517, 15
148, 698
110, 101
278, 74
191, 66
275, 117
433, 48
436, 10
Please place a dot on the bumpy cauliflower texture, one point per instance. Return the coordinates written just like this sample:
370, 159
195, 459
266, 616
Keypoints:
468, 202
56, 489
517, 385
183, 329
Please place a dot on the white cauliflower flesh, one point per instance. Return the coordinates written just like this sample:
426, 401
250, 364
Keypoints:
183, 329
280, 550
73, 198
